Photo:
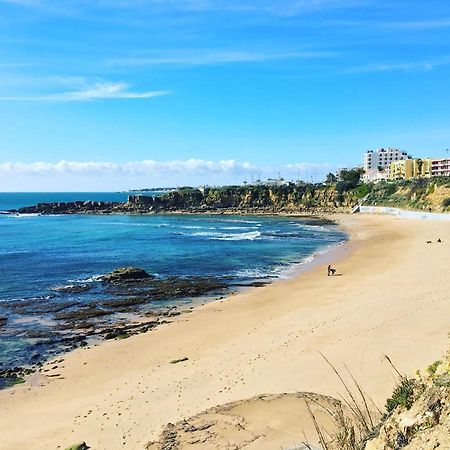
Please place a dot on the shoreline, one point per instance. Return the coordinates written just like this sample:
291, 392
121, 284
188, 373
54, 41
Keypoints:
236, 347
140, 321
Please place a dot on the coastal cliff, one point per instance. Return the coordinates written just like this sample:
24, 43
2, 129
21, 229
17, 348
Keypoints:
343, 196
290, 198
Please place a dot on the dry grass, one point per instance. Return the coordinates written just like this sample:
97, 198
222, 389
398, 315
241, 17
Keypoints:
355, 422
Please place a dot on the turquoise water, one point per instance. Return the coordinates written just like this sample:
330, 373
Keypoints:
38, 253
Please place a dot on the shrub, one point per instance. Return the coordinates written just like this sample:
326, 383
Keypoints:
362, 190
446, 202
403, 395
432, 369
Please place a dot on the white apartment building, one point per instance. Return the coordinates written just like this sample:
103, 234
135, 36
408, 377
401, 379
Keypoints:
381, 158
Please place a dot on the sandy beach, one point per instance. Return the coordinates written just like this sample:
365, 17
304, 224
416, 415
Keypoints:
391, 297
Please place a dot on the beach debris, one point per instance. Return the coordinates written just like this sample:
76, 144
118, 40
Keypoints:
79, 446
176, 361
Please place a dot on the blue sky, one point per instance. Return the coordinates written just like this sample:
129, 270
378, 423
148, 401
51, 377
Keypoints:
111, 94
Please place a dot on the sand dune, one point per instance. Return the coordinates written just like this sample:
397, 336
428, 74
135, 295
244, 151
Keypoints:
391, 298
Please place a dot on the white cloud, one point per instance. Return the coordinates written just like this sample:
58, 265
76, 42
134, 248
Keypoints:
150, 167
112, 176
98, 90
147, 167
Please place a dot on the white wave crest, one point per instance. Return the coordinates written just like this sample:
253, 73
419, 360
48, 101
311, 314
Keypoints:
19, 216
240, 236
320, 228
251, 235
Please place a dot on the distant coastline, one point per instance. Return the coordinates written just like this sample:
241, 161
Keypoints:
430, 195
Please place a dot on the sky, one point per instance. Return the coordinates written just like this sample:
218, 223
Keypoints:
114, 94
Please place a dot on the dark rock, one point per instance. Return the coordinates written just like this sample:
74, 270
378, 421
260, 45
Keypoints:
82, 314
126, 274
73, 288
129, 302
3, 321
14, 375
121, 332
38, 334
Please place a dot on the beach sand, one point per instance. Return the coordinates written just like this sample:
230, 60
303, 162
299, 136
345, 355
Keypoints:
391, 298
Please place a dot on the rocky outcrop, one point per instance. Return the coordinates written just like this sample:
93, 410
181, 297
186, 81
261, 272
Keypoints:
77, 207
126, 274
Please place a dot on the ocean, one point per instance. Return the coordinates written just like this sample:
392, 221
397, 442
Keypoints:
39, 255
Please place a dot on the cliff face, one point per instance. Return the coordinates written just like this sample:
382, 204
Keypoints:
432, 195
289, 198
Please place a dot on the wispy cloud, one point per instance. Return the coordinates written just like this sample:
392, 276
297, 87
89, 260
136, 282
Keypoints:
210, 57
275, 7
420, 24
279, 7
411, 66
22, 2
99, 90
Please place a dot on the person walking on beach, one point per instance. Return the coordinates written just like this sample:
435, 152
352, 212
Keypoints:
331, 271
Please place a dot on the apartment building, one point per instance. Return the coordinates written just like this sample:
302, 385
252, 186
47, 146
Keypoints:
440, 167
419, 168
381, 159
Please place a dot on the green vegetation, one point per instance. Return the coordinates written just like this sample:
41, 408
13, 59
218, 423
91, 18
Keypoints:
403, 395
80, 446
432, 194
433, 367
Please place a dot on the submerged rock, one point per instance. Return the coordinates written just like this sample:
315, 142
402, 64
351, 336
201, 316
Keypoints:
82, 314
14, 375
73, 288
125, 303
